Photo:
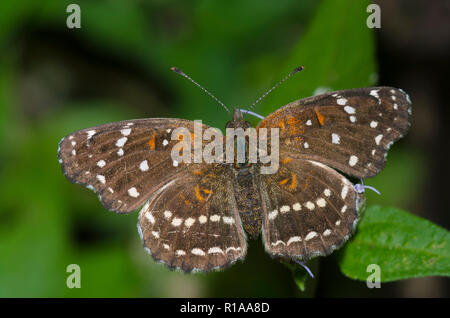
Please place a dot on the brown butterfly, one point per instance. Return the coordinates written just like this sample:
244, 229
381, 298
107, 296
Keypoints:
195, 216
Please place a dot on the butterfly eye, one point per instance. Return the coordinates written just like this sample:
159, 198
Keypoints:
229, 124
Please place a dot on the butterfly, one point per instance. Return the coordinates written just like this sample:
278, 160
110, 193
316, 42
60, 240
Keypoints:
196, 216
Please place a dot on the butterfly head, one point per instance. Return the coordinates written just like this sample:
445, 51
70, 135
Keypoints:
238, 120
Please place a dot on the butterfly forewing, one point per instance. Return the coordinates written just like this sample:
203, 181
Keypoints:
123, 162
350, 130
191, 223
310, 209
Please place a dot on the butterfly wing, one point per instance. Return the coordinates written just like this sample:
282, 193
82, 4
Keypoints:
192, 223
309, 209
139, 149
350, 130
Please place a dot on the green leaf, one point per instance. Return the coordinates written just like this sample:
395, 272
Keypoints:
337, 51
305, 283
403, 245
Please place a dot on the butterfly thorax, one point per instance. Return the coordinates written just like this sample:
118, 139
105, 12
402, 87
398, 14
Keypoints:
239, 122
245, 184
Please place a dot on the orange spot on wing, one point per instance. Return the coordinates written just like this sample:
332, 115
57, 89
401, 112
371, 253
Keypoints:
207, 191
284, 181
181, 196
294, 181
320, 117
306, 184
151, 142
286, 160
282, 126
294, 127
197, 194
197, 172
292, 120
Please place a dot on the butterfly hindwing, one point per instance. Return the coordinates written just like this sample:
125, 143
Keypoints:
310, 209
192, 223
123, 162
350, 130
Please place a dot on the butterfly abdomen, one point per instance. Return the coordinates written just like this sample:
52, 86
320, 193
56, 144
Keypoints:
248, 200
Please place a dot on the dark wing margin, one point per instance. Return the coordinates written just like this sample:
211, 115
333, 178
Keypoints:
350, 130
123, 162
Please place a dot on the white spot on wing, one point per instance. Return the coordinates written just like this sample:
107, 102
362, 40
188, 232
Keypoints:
353, 160
310, 205
198, 252
90, 133
101, 178
214, 218
180, 253
341, 101
278, 243
126, 131
150, 217
143, 166
167, 214
349, 109
285, 208
101, 163
202, 219
228, 220
321, 202
378, 139
132, 192
215, 250
374, 93
177, 221
335, 139
120, 142
294, 239
310, 235
344, 192
189, 222
273, 214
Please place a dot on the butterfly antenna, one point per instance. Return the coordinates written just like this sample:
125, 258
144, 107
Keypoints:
297, 69
180, 72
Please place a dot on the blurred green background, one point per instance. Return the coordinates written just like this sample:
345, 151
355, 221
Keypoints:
55, 80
